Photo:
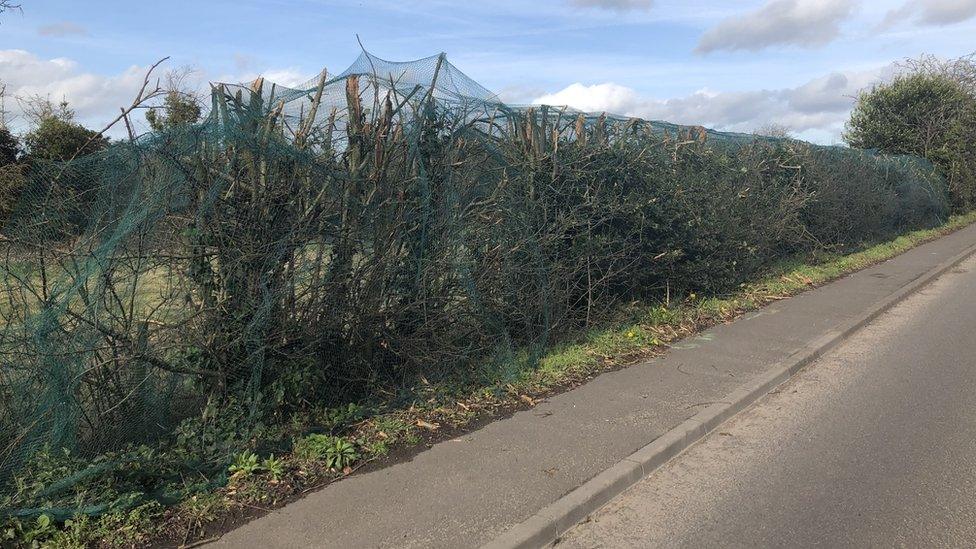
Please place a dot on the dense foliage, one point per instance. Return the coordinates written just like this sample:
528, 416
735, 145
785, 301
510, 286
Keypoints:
928, 110
211, 279
58, 138
9, 147
179, 108
11, 174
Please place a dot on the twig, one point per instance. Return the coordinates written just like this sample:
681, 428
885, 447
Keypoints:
140, 98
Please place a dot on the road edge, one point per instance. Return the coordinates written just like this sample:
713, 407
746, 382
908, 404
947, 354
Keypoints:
548, 524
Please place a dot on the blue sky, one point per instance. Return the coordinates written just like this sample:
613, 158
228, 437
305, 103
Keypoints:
735, 65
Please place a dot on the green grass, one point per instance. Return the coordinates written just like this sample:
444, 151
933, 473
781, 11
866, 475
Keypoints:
504, 383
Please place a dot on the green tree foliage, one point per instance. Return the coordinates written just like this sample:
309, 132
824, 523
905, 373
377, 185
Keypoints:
57, 137
178, 108
54, 146
929, 110
11, 173
9, 147
913, 114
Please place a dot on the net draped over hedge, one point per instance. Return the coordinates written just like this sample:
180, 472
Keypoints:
309, 245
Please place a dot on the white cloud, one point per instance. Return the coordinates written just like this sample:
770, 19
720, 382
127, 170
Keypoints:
519, 94
931, 12
834, 92
62, 29
608, 97
290, 77
93, 97
805, 23
818, 107
615, 5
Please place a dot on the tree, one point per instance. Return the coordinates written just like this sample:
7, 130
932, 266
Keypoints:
11, 174
181, 105
9, 147
65, 188
912, 114
56, 136
927, 111
178, 109
774, 130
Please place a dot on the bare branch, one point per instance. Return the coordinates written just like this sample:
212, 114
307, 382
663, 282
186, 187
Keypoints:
140, 98
7, 5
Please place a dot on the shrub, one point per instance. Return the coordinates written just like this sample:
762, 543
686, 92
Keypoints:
179, 109
59, 138
211, 280
930, 111
9, 147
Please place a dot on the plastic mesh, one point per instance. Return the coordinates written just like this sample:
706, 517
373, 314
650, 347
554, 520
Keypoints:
165, 300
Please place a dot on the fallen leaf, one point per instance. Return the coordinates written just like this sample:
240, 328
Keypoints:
347, 470
527, 399
429, 426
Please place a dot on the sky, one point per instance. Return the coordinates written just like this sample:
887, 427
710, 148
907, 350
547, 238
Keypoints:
725, 64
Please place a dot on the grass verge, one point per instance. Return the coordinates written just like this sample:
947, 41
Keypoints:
353, 437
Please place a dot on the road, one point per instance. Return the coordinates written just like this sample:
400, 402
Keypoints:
873, 445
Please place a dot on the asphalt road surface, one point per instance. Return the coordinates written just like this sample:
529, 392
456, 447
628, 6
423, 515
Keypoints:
873, 445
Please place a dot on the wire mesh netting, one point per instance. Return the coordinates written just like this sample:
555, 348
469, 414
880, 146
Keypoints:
313, 245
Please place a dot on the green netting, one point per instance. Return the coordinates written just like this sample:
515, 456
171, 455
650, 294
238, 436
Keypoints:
317, 245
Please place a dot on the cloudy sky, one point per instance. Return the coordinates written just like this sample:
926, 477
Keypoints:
727, 64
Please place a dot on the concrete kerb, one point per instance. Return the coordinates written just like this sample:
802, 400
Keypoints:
552, 521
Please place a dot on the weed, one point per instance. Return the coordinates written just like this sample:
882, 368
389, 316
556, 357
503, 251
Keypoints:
202, 508
275, 467
334, 452
245, 465
29, 533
